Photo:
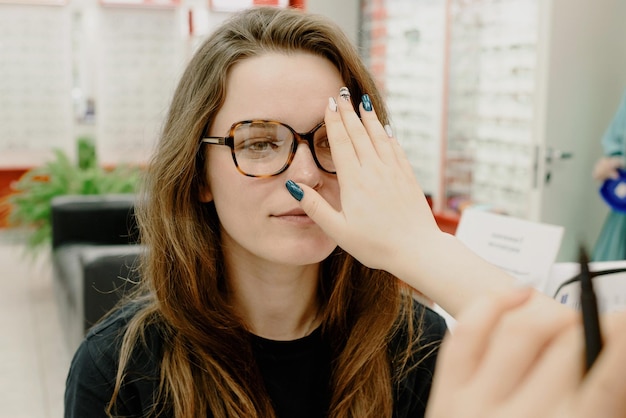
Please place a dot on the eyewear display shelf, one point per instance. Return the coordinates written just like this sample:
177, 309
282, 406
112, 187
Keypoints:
35, 86
35, 82
402, 42
492, 63
459, 80
102, 68
501, 103
141, 53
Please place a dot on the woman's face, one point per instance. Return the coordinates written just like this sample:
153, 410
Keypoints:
260, 220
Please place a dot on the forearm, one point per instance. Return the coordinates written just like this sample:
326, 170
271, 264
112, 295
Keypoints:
448, 272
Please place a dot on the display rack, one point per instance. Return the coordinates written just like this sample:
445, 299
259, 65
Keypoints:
404, 48
529, 87
414, 82
459, 80
140, 56
35, 82
490, 120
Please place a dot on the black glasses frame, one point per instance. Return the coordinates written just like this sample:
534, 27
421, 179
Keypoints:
592, 275
307, 137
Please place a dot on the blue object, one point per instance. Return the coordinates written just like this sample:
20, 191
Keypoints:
613, 191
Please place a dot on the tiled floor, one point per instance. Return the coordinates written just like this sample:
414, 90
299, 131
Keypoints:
33, 357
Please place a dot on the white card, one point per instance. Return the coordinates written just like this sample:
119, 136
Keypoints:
525, 249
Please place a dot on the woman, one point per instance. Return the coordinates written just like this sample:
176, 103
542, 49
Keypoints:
252, 301
611, 243
247, 308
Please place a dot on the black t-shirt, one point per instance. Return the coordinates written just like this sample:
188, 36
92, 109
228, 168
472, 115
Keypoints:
296, 373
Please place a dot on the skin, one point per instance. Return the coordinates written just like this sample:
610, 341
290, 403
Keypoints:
606, 167
375, 210
514, 353
543, 362
385, 220
273, 252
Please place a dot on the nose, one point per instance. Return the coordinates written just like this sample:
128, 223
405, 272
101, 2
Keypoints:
303, 168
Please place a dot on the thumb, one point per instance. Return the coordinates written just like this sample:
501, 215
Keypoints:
316, 208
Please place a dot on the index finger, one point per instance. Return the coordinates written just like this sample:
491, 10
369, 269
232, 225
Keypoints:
342, 150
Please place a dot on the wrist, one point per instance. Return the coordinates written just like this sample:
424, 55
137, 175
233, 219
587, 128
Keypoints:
447, 272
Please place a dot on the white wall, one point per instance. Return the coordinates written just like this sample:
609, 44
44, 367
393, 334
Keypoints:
346, 13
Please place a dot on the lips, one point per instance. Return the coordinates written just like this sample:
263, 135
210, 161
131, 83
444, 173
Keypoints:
293, 212
295, 217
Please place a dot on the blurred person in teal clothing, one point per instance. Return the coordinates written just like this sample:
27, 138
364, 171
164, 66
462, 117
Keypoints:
611, 243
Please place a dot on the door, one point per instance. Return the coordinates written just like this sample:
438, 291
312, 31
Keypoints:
577, 52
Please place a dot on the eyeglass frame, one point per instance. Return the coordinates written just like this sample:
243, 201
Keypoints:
298, 137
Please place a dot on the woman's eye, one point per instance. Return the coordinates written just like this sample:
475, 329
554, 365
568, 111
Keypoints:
262, 144
323, 143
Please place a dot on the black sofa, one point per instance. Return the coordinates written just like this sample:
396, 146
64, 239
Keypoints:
95, 253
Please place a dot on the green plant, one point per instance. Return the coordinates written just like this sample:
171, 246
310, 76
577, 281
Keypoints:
29, 206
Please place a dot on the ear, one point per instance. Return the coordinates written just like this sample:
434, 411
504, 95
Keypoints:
205, 194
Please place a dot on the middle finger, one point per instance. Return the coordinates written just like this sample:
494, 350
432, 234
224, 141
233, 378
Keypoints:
353, 127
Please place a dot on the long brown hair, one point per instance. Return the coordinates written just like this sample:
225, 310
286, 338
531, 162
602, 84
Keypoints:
207, 366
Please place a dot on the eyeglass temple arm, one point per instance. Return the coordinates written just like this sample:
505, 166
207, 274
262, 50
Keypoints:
218, 140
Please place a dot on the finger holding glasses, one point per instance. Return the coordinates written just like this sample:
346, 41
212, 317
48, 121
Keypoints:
552, 385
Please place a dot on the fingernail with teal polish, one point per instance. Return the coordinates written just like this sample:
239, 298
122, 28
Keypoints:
367, 103
295, 190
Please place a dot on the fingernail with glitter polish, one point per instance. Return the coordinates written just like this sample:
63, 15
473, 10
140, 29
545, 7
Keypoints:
295, 190
344, 93
332, 104
367, 103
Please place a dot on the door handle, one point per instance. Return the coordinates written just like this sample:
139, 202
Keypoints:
553, 154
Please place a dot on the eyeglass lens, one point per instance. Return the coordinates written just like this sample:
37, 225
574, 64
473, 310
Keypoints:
264, 148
